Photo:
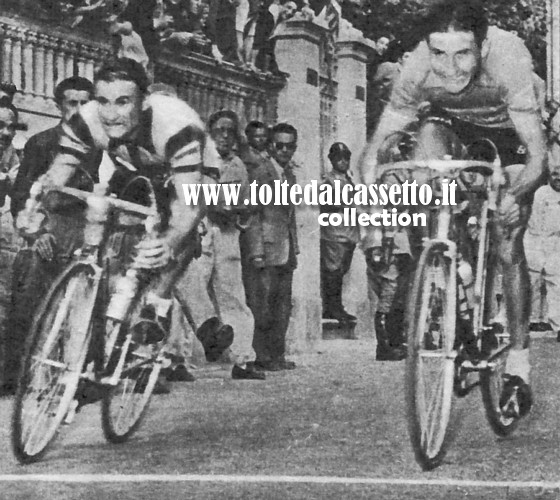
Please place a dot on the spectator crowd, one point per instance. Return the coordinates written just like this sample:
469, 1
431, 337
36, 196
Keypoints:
241, 32
236, 295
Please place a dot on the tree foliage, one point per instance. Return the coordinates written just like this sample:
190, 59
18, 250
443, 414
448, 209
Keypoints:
399, 17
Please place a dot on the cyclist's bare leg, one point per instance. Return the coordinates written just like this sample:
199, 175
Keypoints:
516, 284
516, 398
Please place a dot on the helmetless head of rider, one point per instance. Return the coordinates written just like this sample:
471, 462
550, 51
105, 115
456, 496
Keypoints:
455, 31
120, 87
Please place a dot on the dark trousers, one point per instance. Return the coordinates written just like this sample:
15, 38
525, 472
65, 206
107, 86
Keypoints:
271, 303
336, 259
31, 279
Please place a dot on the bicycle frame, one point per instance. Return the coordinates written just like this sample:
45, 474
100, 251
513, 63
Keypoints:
98, 216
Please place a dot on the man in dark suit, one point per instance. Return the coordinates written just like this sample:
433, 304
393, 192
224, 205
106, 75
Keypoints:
36, 265
40, 149
273, 249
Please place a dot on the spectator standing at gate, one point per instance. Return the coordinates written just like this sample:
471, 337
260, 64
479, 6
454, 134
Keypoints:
9, 166
9, 163
212, 288
273, 249
337, 242
255, 155
42, 259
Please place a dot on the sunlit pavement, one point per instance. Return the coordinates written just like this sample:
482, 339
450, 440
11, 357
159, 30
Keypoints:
334, 428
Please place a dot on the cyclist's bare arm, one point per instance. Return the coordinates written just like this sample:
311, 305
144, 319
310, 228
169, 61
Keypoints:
529, 129
61, 170
59, 173
392, 120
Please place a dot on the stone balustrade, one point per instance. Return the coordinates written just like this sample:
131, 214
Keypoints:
35, 57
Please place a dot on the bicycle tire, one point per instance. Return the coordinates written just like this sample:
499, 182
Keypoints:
125, 405
491, 386
55, 356
431, 306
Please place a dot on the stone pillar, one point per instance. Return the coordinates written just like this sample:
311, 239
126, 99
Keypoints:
351, 101
298, 54
352, 56
553, 50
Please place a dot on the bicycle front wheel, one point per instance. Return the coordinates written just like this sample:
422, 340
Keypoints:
53, 362
430, 364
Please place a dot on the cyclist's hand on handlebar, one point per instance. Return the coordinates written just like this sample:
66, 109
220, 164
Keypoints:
509, 211
45, 246
153, 253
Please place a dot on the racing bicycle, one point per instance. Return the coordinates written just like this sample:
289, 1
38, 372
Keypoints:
452, 344
82, 339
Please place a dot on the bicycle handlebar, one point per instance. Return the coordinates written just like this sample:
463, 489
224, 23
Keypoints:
445, 166
122, 205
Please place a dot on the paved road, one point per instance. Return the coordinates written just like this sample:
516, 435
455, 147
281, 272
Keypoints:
340, 414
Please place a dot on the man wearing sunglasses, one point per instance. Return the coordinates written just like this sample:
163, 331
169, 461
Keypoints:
272, 248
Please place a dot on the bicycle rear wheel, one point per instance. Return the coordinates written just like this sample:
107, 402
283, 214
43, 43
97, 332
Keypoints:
491, 387
53, 362
125, 405
430, 364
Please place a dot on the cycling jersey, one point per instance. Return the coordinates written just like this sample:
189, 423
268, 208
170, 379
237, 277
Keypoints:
503, 84
170, 135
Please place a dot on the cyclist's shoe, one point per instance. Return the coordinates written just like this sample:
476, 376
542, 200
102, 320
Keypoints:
516, 399
215, 338
150, 328
161, 388
88, 392
247, 373
180, 374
